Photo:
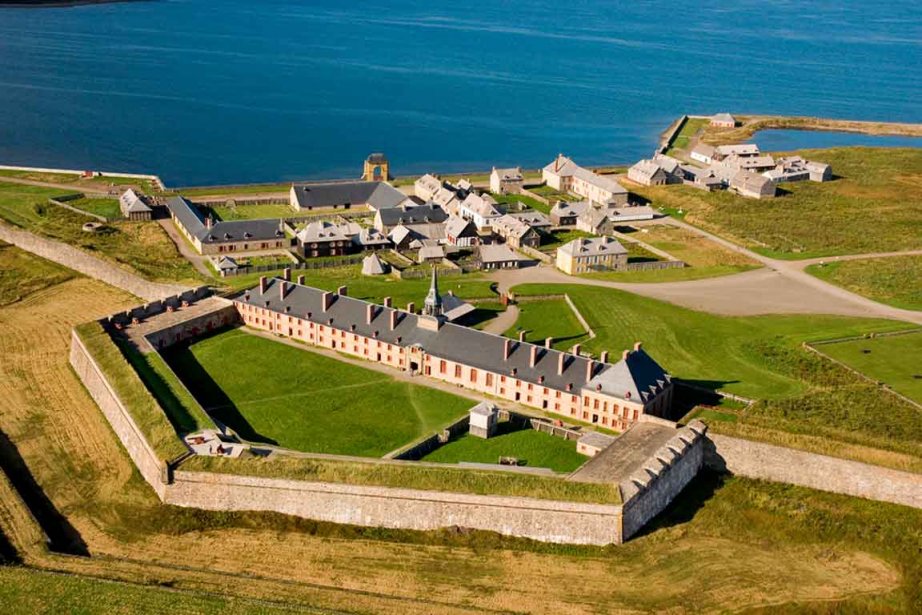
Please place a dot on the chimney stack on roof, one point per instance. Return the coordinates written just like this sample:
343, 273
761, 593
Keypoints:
393, 319
548, 341
262, 285
604, 356
342, 290
208, 222
411, 307
326, 300
590, 369
387, 302
561, 362
507, 349
286, 274
301, 280
638, 345
282, 289
625, 354
521, 336
576, 348
369, 313
533, 356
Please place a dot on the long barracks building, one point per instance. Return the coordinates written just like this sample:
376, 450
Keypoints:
613, 395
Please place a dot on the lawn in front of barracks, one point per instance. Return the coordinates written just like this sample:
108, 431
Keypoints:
271, 392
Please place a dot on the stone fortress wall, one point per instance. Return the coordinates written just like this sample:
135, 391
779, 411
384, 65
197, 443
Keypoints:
644, 494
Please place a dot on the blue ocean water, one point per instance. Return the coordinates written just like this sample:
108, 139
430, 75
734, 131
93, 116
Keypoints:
232, 90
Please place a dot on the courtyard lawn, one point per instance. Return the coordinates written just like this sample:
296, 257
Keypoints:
691, 127
258, 212
895, 280
242, 190
817, 219
525, 200
758, 357
553, 240
549, 318
895, 360
553, 195
532, 448
22, 274
274, 393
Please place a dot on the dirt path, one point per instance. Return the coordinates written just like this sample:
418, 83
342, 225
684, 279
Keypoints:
86, 189
197, 260
504, 321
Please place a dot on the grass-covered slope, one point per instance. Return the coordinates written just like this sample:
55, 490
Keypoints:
895, 280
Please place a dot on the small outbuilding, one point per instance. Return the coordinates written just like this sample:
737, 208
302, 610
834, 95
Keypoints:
373, 265
593, 443
723, 120
134, 207
484, 419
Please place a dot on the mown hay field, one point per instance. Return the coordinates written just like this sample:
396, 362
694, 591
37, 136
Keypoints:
894, 359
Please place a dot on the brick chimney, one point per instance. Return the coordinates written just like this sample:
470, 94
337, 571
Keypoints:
411, 307
262, 285
548, 342
625, 354
604, 356
283, 288
521, 336
393, 319
301, 280
326, 300
369, 313
286, 274
342, 290
576, 348
507, 349
590, 369
208, 222
533, 356
387, 302
638, 345
561, 362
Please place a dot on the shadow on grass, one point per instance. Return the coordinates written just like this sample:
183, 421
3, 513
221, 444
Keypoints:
209, 393
687, 504
62, 536
479, 316
691, 393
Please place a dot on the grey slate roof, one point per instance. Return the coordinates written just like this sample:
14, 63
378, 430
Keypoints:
430, 212
566, 209
320, 232
471, 347
131, 203
377, 195
498, 253
235, 230
594, 246
373, 265
535, 219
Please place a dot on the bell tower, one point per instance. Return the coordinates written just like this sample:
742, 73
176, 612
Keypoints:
433, 303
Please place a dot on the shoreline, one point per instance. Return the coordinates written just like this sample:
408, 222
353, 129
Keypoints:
750, 125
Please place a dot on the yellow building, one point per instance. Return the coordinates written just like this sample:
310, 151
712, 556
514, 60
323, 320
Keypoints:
591, 254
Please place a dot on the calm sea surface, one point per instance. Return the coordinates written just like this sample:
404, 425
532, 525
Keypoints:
226, 91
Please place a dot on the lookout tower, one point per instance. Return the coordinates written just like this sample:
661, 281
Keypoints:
376, 168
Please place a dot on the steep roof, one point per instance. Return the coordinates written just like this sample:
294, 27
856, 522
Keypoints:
457, 226
373, 265
594, 246
532, 218
412, 214
637, 377
376, 195
565, 167
511, 174
498, 253
468, 346
320, 232
484, 206
235, 230
569, 208
509, 226
131, 203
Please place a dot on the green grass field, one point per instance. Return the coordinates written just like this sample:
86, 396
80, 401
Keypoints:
22, 274
274, 393
256, 212
242, 190
689, 129
549, 318
141, 246
552, 194
108, 208
758, 357
553, 240
78, 180
25, 590
525, 200
532, 448
818, 219
895, 280
894, 360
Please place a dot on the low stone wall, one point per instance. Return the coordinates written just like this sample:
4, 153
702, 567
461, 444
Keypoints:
129, 434
545, 520
86, 264
785, 465
654, 265
427, 445
649, 490
60, 202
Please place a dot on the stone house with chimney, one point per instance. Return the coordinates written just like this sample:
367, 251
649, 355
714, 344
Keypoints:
506, 181
210, 237
322, 238
570, 384
516, 232
591, 254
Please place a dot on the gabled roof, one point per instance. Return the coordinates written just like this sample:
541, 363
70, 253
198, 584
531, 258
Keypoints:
498, 253
511, 174
412, 214
457, 226
320, 232
740, 149
593, 246
483, 206
131, 203
226, 263
646, 168
565, 167
704, 150
569, 208
235, 230
509, 226
532, 218
723, 117
370, 237
376, 195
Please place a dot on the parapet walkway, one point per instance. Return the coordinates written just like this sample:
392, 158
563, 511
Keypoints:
625, 455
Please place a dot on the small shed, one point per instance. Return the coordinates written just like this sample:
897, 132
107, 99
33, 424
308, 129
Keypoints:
484, 418
373, 265
431, 254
